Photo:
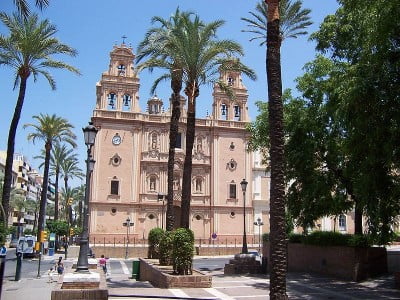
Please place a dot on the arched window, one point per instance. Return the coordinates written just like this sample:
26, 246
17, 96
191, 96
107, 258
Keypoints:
112, 101
121, 70
237, 112
126, 102
224, 111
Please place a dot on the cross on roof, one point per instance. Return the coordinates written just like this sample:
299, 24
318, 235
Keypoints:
123, 39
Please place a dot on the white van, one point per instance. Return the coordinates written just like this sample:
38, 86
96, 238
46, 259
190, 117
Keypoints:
26, 245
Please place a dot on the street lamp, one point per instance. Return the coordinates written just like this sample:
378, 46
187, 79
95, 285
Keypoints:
89, 133
161, 197
128, 225
244, 183
259, 223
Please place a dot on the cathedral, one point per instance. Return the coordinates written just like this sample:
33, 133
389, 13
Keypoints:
129, 180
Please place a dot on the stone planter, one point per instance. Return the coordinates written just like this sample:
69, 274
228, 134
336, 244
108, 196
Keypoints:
349, 263
161, 276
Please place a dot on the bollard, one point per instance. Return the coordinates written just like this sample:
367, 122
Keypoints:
18, 266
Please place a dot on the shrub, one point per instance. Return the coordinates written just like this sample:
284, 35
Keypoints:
362, 241
183, 250
295, 237
265, 237
326, 238
154, 237
165, 248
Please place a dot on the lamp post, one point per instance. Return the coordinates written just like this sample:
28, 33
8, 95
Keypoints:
244, 183
128, 225
259, 223
161, 197
82, 266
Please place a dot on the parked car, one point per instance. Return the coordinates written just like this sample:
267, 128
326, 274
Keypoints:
26, 246
256, 254
13, 243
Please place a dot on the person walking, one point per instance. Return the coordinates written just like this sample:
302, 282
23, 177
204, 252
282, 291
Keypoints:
60, 266
103, 263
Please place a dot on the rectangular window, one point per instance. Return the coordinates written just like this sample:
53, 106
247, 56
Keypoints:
179, 141
342, 222
114, 187
232, 191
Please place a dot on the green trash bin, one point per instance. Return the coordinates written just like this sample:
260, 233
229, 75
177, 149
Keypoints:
136, 269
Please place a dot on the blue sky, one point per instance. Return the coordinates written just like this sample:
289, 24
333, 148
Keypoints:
94, 26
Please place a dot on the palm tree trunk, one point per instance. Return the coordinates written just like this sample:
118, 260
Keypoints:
278, 236
43, 198
10, 150
56, 195
176, 85
192, 93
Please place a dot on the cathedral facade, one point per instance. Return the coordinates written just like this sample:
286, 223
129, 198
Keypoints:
129, 179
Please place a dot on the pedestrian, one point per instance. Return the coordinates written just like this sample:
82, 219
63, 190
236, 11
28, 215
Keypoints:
60, 266
3, 251
51, 273
103, 263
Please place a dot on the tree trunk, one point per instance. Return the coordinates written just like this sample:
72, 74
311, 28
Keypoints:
10, 150
278, 236
358, 218
176, 85
56, 195
192, 92
43, 199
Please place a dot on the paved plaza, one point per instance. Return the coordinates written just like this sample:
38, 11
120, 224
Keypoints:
253, 287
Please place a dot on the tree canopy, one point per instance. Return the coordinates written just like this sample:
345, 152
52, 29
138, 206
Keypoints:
342, 132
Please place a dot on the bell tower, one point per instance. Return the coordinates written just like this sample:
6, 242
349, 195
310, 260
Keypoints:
118, 89
225, 108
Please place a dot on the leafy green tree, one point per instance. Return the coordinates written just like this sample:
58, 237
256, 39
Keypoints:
363, 36
158, 45
316, 166
29, 50
272, 22
49, 129
58, 227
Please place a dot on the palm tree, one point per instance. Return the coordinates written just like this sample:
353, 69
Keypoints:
158, 44
273, 22
203, 57
18, 203
293, 21
49, 129
29, 50
24, 9
70, 169
59, 154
